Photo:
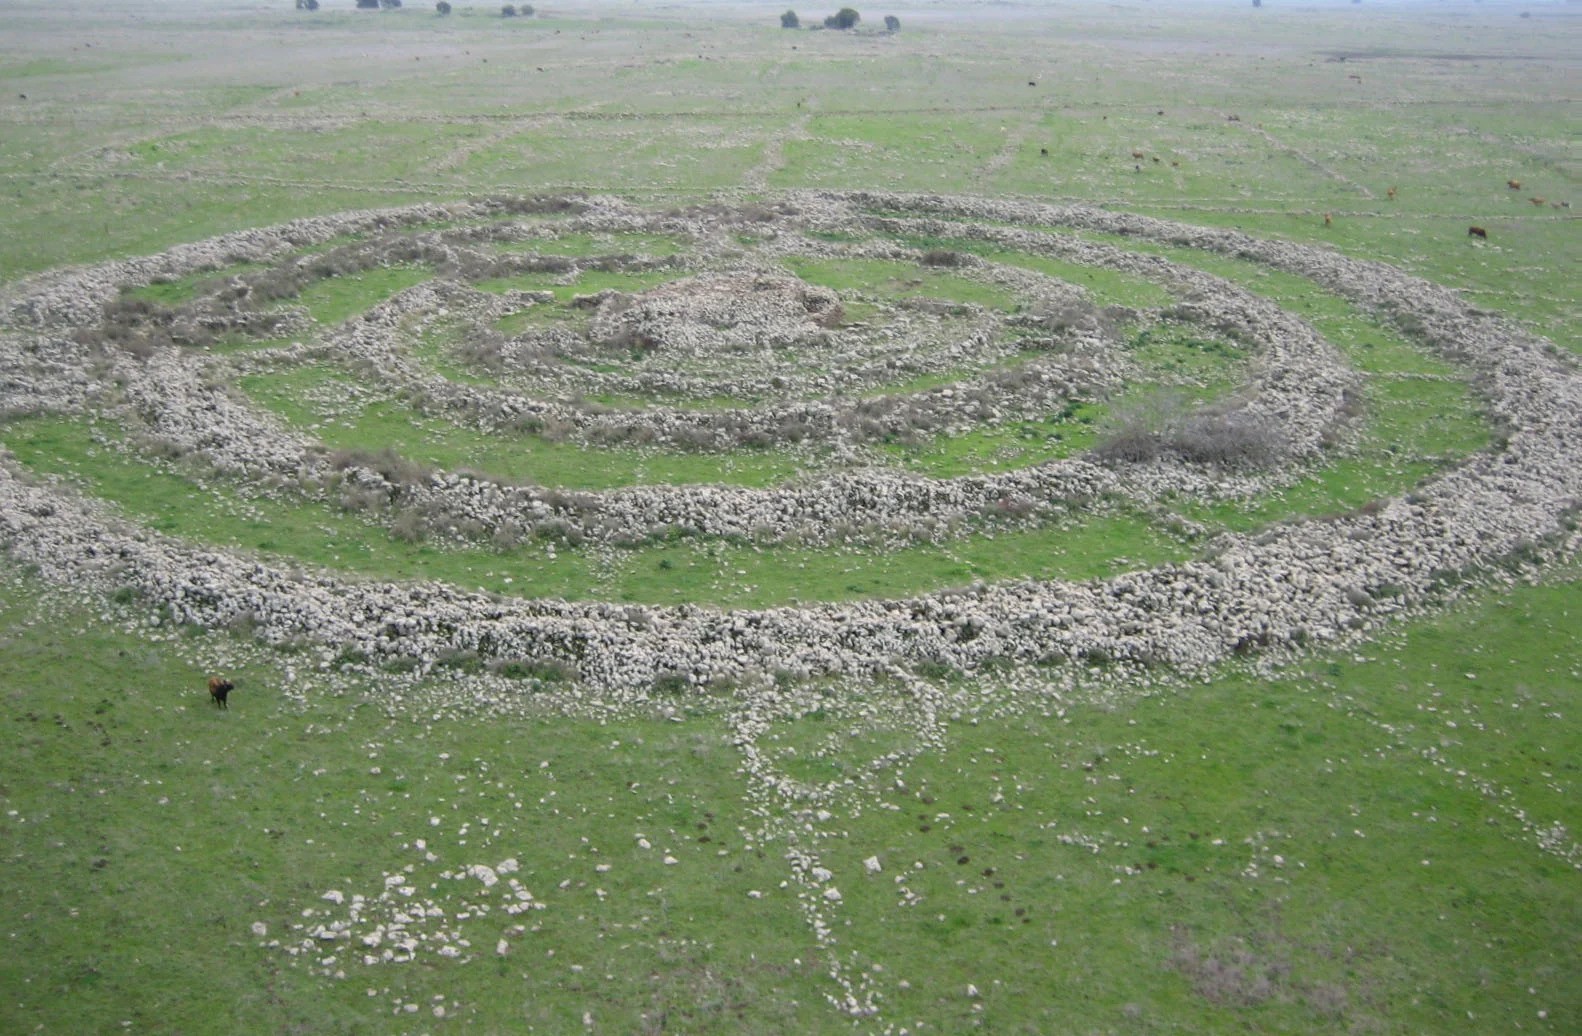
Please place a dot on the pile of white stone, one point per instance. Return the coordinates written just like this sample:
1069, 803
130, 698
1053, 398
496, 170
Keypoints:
1290, 584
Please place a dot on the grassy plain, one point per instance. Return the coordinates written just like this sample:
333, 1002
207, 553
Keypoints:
1375, 837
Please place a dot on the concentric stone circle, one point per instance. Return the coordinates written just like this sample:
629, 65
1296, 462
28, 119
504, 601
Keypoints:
1292, 584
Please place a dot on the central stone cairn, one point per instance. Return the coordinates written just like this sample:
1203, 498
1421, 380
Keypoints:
713, 313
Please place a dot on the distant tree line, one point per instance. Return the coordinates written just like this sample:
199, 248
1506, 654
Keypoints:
442, 8
845, 18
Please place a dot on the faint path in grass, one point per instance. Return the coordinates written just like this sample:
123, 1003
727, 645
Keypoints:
1015, 136
790, 735
1556, 164
459, 156
774, 157
1305, 158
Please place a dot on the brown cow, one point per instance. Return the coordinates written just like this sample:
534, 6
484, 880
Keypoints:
1391, 193
1539, 202
1514, 185
1329, 220
1478, 232
219, 688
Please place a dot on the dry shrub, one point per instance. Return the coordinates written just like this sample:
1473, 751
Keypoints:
484, 348
941, 257
409, 527
1226, 439
1163, 424
1061, 315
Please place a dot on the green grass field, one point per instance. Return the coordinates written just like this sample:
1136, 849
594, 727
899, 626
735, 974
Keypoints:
1378, 836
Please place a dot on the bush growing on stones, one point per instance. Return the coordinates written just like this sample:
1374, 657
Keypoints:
508, 11
463, 660
1136, 430
395, 469
1217, 436
1225, 439
670, 684
845, 18
892, 23
789, 20
442, 8
544, 670
484, 348
368, 4
546, 264
140, 327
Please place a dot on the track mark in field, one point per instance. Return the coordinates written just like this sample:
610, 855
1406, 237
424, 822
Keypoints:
463, 152
1014, 138
801, 816
1306, 159
773, 159
1548, 160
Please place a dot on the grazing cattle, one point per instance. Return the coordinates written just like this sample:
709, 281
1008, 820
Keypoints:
1329, 220
1137, 153
1390, 193
1044, 151
1478, 232
1539, 202
1514, 185
219, 688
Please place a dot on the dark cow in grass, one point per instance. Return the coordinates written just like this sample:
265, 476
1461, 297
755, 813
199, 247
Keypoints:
219, 689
